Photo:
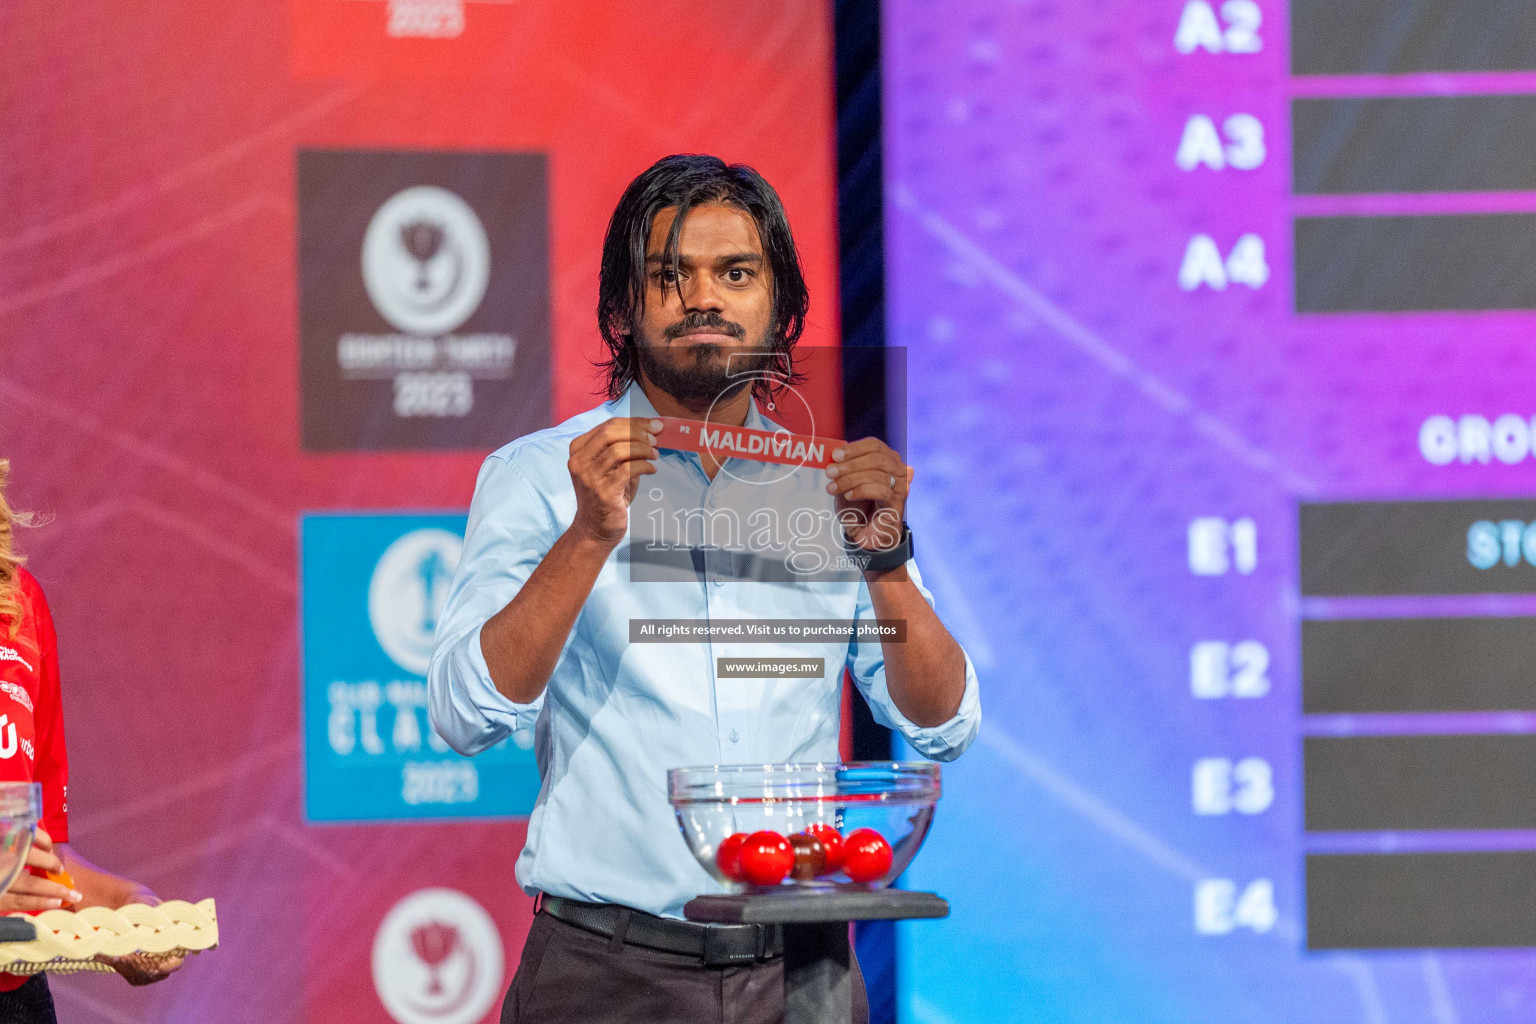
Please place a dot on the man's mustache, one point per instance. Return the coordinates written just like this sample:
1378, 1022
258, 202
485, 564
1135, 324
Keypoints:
712, 322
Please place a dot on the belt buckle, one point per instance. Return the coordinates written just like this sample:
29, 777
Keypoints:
718, 947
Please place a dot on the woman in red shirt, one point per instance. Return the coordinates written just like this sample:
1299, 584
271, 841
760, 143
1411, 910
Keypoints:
32, 750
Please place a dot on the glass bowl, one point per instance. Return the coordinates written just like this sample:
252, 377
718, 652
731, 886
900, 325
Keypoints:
21, 806
765, 826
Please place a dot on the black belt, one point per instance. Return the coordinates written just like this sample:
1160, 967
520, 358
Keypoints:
715, 944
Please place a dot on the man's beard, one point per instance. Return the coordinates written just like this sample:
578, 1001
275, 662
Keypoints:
699, 375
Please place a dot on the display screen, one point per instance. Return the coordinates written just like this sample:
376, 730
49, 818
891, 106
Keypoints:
1218, 320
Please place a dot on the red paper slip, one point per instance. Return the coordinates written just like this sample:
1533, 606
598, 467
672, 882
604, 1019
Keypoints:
745, 443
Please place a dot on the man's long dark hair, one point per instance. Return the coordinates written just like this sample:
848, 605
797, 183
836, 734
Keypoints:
685, 181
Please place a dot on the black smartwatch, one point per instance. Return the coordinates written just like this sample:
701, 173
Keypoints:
887, 559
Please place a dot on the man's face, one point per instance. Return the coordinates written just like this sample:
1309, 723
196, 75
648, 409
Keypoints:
717, 300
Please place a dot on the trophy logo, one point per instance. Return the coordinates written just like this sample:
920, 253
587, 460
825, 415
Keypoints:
426, 261
424, 320
434, 943
406, 594
437, 959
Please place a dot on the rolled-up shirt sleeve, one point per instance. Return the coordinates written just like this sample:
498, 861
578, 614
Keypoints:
510, 530
866, 663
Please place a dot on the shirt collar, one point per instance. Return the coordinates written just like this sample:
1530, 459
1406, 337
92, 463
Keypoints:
632, 402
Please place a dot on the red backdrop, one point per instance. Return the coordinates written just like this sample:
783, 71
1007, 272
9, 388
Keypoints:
149, 399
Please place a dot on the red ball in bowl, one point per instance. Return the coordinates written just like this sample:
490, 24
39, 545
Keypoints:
831, 841
866, 855
810, 857
728, 857
765, 858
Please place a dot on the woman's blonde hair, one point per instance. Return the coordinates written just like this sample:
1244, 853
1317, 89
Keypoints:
10, 561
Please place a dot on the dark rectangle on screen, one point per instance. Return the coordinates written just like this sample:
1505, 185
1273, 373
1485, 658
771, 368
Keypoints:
1420, 783
1410, 547
1373, 37
1408, 264
1413, 144
1421, 900
1362, 666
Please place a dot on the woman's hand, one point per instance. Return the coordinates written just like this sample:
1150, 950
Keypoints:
30, 892
139, 968
99, 889
142, 969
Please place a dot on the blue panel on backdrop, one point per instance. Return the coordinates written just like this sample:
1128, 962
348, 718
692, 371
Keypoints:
372, 587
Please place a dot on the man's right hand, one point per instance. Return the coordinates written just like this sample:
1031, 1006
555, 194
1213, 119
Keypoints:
606, 465
522, 642
29, 892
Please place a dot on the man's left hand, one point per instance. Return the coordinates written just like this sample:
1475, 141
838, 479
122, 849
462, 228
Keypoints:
870, 479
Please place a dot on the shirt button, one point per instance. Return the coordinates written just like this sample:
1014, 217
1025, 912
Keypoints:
735, 736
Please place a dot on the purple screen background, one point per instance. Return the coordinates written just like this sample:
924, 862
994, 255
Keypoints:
1071, 409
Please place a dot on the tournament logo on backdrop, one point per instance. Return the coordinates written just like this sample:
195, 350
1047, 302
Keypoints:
423, 299
373, 587
437, 959
426, 262
406, 594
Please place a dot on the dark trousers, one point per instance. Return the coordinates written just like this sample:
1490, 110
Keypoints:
32, 1003
571, 976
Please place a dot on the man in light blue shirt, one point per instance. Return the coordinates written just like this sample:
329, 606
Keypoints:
578, 530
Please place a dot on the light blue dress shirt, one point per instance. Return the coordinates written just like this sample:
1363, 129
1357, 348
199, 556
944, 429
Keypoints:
617, 715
